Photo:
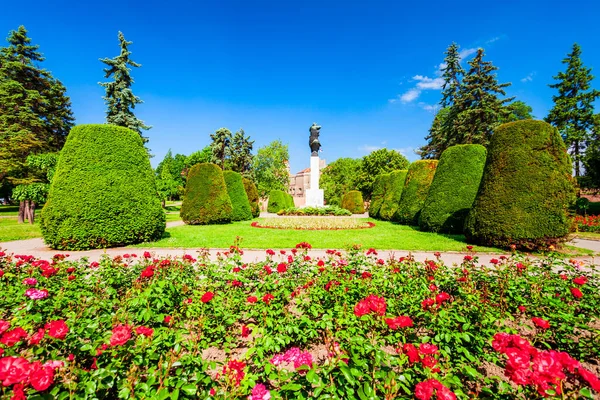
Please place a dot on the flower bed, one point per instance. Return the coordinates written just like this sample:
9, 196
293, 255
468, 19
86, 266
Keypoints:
346, 326
327, 210
311, 223
590, 223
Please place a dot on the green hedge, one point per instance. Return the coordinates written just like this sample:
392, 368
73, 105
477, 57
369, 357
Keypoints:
238, 196
392, 196
380, 187
418, 179
278, 200
353, 202
103, 193
526, 189
290, 201
206, 200
453, 189
253, 198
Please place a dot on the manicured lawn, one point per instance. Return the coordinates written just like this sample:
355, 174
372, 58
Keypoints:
587, 235
11, 230
385, 235
173, 217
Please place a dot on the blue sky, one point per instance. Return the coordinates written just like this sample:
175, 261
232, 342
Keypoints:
364, 70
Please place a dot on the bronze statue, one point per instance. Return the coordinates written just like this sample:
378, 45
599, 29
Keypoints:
313, 140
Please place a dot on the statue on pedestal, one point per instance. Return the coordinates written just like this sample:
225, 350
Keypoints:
313, 140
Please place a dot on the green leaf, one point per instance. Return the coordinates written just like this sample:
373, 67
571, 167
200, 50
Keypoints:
189, 389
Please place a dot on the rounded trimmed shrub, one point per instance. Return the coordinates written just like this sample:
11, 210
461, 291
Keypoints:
526, 189
206, 200
453, 189
380, 186
253, 199
392, 196
353, 202
290, 201
238, 196
418, 179
278, 200
103, 192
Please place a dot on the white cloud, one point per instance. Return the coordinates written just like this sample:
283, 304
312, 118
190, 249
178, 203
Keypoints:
494, 39
429, 107
425, 82
411, 95
529, 77
464, 53
368, 148
407, 152
392, 101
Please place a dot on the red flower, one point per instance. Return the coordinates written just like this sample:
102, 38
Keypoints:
4, 325
432, 287
361, 308
206, 297
399, 322
371, 251
147, 254
380, 261
281, 268
245, 331
542, 323
12, 337
411, 351
234, 370
267, 298
429, 362
468, 258
41, 377
252, 299
168, 319
522, 308
144, 330
428, 348
442, 297
320, 263
582, 280
71, 277
427, 303
366, 275
57, 329
268, 270
270, 252
576, 292
425, 390
14, 370
120, 335
236, 269
148, 272
37, 337
563, 277
71, 270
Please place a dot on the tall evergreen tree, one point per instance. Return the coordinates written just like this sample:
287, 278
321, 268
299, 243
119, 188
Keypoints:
452, 73
241, 154
119, 97
436, 139
478, 107
573, 111
221, 141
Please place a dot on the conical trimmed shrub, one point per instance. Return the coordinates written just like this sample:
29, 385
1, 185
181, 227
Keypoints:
380, 187
238, 196
418, 179
526, 189
278, 200
206, 200
103, 192
353, 202
391, 199
253, 198
290, 201
453, 189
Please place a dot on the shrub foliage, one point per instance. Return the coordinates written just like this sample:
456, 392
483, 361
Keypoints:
278, 200
238, 196
526, 188
252, 193
453, 189
418, 179
353, 202
391, 198
380, 187
103, 193
206, 200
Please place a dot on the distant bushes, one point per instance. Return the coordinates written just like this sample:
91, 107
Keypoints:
103, 193
453, 189
380, 187
391, 199
418, 179
353, 202
252, 193
327, 210
238, 196
206, 200
526, 189
278, 200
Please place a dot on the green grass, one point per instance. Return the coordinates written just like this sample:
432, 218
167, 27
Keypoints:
11, 230
587, 235
385, 235
173, 217
13, 210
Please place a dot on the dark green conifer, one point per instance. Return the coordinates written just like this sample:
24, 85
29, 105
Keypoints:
241, 153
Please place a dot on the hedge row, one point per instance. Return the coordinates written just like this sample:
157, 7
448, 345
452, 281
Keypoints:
418, 179
353, 202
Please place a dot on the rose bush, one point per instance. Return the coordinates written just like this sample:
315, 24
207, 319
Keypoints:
348, 325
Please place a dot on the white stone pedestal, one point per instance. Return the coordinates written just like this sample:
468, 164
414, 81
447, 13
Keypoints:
314, 195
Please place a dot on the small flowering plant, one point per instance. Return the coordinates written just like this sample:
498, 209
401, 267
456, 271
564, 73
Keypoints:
298, 325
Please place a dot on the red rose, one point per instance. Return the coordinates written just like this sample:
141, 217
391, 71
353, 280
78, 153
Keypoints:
281, 268
12, 337
442, 297
542, 323
376, 304
361, 308
71, 270
4, 325
522, 308
320, 263
252, 299
576, 292
206, 297
427, 303
428, 348
245, 331
120, 335
37, 337
168, 319
144, 330
41, 378
268, 297
14, 370
147, 254
399, 322
57, 329
411, 351
582, 280
148, 272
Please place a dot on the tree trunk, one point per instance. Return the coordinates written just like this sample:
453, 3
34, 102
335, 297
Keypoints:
31, 212
164, 203
21, 217
27, 210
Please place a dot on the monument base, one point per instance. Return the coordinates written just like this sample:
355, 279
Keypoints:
314, 198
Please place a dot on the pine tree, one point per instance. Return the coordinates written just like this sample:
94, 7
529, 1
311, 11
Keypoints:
241, 154
221, 140
119, 97
573, 111
478, 109
452, 73
436, 140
